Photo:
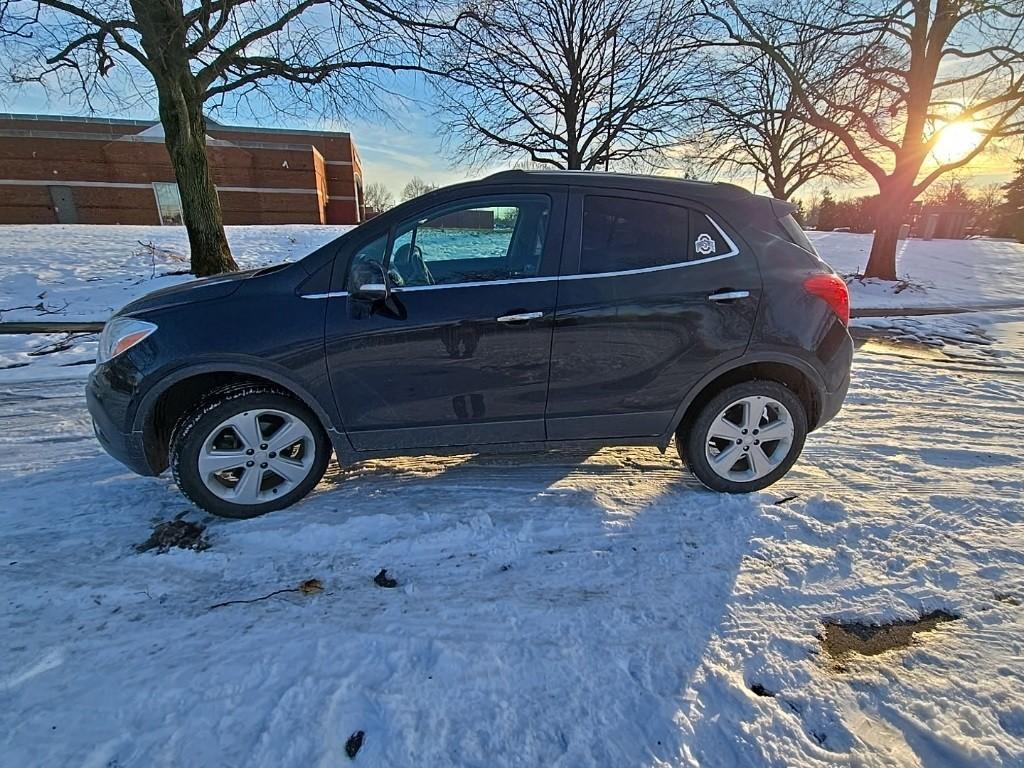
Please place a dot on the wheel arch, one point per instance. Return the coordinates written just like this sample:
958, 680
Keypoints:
178, 392
792, 372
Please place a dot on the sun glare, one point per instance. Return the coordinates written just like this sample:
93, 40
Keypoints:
955, 141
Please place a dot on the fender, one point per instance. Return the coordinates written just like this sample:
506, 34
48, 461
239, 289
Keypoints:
260, 369
772, 356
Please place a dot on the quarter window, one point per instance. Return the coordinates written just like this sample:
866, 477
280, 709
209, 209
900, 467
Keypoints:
706, 242
622, 234
493, 239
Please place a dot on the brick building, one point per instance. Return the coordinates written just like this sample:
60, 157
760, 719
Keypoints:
80, 170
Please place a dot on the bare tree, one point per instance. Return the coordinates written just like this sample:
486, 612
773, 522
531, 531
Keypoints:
574, 84
416, 187
377, 197
756, 125
200, 53
906, 74
987, 203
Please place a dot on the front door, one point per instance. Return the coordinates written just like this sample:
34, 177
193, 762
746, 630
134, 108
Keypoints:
458, 353
653, 295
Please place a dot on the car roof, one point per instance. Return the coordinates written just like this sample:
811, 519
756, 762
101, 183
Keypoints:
636, 182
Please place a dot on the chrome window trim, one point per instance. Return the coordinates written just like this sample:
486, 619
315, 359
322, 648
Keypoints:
733, 251
645, 270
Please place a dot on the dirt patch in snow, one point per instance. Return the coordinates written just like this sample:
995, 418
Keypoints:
355, 741
840, 639
175, 533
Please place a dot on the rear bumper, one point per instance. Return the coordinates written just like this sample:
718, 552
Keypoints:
839, 363
832, 402
109, 409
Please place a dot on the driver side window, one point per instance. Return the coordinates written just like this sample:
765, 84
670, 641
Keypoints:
496, 239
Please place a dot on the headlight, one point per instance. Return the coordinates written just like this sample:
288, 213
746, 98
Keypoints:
120, 334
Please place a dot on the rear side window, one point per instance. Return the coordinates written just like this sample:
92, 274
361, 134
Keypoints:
796, 233
621, 234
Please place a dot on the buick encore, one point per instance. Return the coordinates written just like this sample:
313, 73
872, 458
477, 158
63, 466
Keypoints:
525, 311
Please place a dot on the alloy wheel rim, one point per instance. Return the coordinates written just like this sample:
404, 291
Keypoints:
749, 439
256, 456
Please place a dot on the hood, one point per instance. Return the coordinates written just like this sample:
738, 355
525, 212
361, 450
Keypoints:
204, 289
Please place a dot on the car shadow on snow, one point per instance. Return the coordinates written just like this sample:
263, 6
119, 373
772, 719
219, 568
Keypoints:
598, 579
576, 595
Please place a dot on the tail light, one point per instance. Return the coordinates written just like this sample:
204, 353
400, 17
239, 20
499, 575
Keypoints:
833, 290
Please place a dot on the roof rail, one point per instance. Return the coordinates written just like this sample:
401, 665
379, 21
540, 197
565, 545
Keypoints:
519, 173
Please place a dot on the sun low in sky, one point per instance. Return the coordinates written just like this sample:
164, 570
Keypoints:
956, 140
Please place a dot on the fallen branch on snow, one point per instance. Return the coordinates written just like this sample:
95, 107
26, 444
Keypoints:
308, 587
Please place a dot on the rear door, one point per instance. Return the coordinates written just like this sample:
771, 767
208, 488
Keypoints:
653, 293
459, 353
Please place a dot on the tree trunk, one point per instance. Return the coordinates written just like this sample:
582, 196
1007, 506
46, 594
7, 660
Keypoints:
882, 261
163, 29
185, 136
891, 208
775, 187
573, 159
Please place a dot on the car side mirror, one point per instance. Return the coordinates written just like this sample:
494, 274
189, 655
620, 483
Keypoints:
372, 283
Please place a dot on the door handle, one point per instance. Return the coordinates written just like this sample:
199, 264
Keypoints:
729, 295
522, 317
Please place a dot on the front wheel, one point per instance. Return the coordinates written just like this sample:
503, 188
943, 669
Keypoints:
745, 438
247, 451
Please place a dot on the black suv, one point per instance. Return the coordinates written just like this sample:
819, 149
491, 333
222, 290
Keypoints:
525, 311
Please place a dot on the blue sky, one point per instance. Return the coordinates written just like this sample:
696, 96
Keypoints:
405, 142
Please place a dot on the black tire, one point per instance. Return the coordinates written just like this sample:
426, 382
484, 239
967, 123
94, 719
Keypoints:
191, 432
692, 441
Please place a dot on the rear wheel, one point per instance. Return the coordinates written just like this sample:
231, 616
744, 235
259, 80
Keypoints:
746, 437
247, 451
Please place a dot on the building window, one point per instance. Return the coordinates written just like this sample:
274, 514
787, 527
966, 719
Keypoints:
168, 202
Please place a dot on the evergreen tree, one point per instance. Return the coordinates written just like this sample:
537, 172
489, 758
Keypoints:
827, 212
1013, 207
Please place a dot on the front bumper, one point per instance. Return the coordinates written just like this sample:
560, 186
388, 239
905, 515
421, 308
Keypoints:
109, 407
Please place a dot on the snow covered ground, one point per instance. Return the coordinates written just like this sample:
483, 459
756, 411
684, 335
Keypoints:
78, 273
551, 610
937, 273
